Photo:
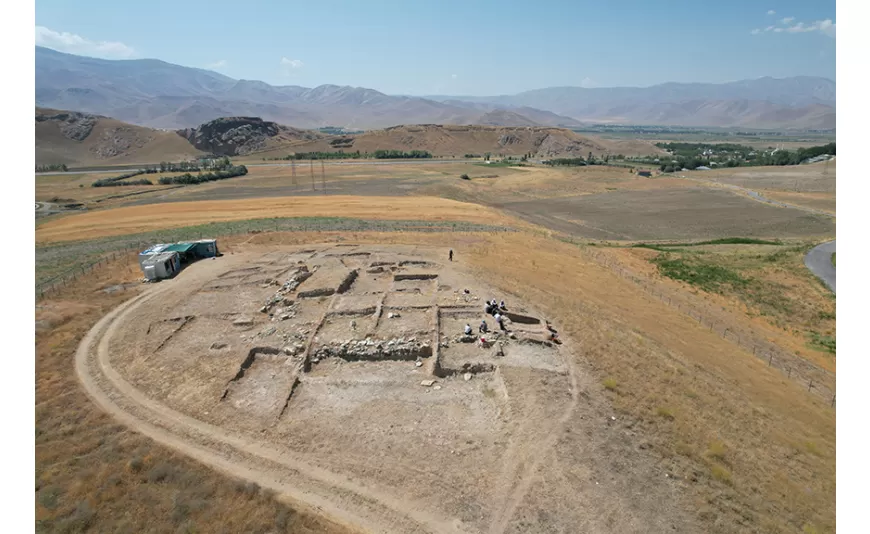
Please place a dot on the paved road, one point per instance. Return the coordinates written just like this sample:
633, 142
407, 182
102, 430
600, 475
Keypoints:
818, 260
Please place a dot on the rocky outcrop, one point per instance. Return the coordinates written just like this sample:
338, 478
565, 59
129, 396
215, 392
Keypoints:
73, 125
117, 141
232, 136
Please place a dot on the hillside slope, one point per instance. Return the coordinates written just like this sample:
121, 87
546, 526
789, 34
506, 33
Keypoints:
458, 140
80, 139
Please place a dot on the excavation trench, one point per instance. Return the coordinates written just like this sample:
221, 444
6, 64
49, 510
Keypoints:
413, 276
247, 363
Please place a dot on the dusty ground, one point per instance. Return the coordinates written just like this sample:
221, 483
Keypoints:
463, 454
672, 213
814, 178
747, 448
94, 474
754, 452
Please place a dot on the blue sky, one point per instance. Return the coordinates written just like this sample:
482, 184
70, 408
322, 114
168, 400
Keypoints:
456, 47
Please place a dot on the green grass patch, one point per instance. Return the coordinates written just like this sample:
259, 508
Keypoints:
609, 384
723, 241
709, 277
822, 342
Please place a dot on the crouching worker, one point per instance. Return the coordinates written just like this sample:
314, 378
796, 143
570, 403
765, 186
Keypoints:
483, 328
467, 329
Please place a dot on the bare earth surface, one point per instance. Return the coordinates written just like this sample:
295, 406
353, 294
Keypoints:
337, 376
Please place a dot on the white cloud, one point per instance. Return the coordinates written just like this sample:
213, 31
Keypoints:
217, 64
587, 82
453, 76
76, 44
798, 28
291, 63
771, 12
827, 27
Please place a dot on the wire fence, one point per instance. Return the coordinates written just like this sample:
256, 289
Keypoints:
816, 379
110, 249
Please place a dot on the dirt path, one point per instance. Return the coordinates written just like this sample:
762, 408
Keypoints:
755, 195
521, 488
353, 503
340, 499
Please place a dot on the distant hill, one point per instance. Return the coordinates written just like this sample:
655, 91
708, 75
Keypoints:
458, 140
806, 102
158, 94
503, 117
154, 93
80, 140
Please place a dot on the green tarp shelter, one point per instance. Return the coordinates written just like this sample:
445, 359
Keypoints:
181, 248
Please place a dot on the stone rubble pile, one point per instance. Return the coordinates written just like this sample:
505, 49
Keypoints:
302, 274
369, 349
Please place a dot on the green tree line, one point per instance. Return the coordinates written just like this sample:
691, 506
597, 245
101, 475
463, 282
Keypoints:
191, 179
51, 167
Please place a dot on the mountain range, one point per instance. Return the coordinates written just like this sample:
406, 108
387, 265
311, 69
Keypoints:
158, 94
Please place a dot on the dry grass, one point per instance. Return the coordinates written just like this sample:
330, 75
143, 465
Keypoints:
179, 214
774, 287
815, 178
818, 201
77, 187
95, 475
457, 140
660, 357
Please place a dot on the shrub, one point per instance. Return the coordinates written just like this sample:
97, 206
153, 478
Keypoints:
716, 451
161, 472
465, 177
135, 464
665, 413
721, 473
609, 384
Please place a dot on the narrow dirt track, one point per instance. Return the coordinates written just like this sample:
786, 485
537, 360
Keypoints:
344, 501
340, 499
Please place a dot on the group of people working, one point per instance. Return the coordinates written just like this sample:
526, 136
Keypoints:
492, 308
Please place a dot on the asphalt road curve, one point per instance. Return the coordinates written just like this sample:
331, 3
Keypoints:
818, 260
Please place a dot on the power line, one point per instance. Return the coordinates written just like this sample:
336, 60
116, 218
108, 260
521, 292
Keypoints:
311, 168
322, 176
